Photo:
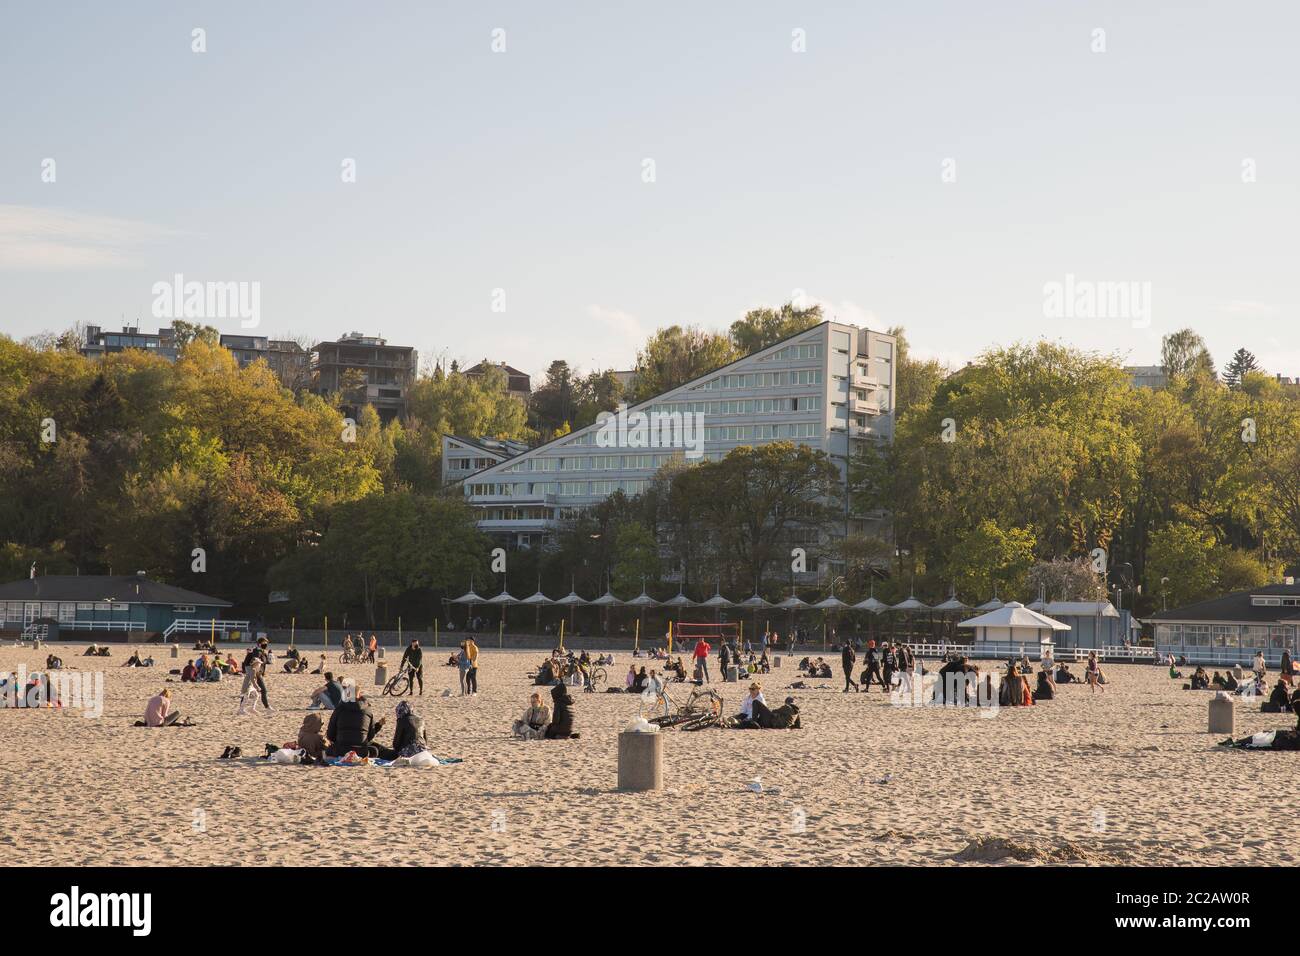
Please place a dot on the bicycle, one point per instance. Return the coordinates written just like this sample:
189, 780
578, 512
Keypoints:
349, 656
703, 708
400, 683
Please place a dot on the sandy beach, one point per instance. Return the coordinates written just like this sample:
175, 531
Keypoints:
1128, 776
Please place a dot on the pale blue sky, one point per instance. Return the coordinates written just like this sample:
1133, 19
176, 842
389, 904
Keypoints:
776, 170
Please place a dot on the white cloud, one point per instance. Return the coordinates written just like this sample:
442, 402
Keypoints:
37, 239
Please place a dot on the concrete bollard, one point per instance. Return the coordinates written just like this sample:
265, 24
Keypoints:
776, 661
640, 761
1223, 716
381, 675
176, 650
733, 674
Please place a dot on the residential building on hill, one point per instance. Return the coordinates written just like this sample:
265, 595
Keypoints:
365, 370
830, 387
519, 384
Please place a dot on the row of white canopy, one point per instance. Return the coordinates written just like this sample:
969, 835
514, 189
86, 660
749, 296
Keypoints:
755, 602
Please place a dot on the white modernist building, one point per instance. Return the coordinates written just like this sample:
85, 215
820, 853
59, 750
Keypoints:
830, 387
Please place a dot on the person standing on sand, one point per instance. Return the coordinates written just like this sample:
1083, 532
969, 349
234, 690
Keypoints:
1093, 673
847, 659
415, 657
701, 655
872, 669
724, 658
471, 674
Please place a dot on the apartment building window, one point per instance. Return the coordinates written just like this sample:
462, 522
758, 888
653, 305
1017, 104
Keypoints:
572, 489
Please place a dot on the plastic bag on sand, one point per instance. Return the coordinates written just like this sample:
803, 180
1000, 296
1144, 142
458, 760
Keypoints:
423, 759
284, 755
1264, 739
641, 726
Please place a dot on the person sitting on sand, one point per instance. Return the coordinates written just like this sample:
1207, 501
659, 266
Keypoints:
547, 673
785, 717
532, 725
310, 737
1200, 680
353, 727
53, 663
561, 725
189, 673
755, 696
1064, 675
91, 651
1279, 702
1045, 690
639, 684
320, 668
408, 734
330, 695
629, 682
133, 660
158, 712
1174, 672
1015, 688
764, 664
678, 668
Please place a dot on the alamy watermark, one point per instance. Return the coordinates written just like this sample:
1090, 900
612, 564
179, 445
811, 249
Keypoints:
653, 429
67, 690
1085, 299
179, 299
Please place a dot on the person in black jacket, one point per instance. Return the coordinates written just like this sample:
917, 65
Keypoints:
847, 659
415, 657
724, 658
872, 670
408, 735
561, 725
352, 727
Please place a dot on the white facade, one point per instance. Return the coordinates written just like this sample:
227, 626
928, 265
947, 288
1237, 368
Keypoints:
830, 387
464, 456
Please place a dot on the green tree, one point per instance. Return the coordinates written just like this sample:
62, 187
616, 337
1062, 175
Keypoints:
1241, 364
675, 355
763, 327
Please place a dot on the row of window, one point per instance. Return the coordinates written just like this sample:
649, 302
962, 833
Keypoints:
745, 406
564, 489
760, 432
799, 351
470, 464
1225, 635
810, 376
20, 612
1260, 601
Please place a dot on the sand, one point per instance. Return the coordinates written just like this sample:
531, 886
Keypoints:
1128, 776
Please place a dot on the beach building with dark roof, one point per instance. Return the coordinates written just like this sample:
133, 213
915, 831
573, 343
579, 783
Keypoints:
127, 605
1232, 628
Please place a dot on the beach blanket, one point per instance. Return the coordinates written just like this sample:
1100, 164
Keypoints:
422, 759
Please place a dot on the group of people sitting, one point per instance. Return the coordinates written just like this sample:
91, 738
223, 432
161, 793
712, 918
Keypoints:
540, 722
53, 663
352, 728
809, 667
96, 650
135, 661
207, 669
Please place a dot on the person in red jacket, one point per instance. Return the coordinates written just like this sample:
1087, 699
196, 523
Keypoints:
701, 655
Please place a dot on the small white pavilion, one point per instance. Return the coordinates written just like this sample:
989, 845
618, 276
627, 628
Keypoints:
1013, 623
